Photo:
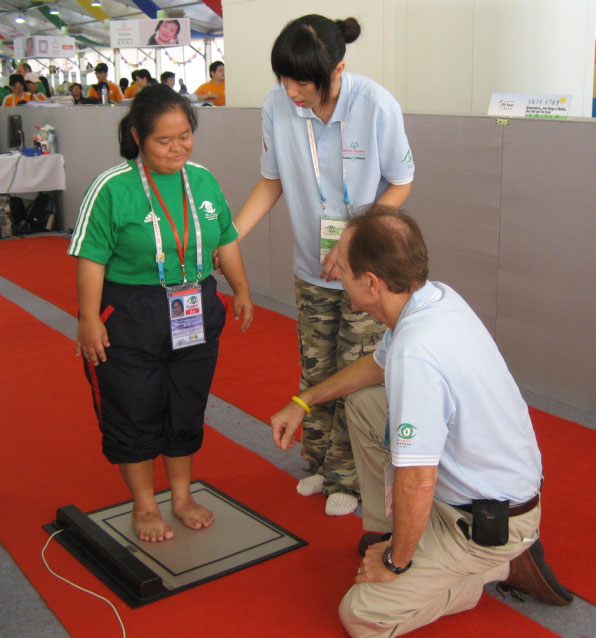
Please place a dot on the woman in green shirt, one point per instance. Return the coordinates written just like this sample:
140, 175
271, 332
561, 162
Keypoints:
144, 237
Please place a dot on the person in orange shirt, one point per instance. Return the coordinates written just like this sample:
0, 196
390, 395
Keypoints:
114, 92
19, 94
215, 90
142, 78
32, 82
133, 88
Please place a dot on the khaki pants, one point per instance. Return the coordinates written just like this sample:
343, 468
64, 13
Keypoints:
448, 571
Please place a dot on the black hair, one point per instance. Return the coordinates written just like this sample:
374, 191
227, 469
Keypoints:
101, 67
123, 84
214, 66
26, 66
309, 48
46, 85
17, 77
133, 75
151, 103
166, 75
162, 21
75, 84
143, 73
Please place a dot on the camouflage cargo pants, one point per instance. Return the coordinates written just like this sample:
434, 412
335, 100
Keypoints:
330, 336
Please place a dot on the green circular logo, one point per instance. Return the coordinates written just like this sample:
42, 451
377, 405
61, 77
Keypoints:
406, 431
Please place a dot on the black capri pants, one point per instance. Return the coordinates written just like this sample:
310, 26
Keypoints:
150, 399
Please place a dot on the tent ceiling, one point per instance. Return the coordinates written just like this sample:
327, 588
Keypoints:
74, 14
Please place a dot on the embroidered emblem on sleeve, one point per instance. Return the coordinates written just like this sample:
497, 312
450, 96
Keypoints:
209, 209
405, 433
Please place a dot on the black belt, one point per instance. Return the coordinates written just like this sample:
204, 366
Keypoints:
514, 510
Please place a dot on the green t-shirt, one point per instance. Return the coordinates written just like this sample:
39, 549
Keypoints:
114, 226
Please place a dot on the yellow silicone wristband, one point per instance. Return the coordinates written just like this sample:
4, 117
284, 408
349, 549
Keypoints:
302, 404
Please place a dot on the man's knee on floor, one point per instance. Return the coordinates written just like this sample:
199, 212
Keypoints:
347, 613
359, 619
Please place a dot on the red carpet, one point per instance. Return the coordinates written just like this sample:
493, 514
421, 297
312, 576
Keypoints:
265, 358
52, 458
41, 266
258, 372
568, 500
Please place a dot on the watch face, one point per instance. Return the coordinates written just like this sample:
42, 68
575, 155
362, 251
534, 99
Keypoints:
389, 564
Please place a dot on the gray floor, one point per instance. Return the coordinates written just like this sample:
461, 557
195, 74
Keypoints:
24, 614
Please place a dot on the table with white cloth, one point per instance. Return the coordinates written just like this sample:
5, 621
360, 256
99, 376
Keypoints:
22, 174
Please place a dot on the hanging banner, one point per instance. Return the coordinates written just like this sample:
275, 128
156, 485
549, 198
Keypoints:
149, 33
44, 46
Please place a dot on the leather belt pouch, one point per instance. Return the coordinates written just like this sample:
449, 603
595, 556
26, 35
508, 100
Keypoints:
490, 522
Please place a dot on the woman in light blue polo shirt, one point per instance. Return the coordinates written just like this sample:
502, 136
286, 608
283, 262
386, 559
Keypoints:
331, 141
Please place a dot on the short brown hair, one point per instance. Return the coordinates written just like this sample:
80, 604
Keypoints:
388, 243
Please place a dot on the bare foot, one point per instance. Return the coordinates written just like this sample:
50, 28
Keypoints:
191, 513
150, 526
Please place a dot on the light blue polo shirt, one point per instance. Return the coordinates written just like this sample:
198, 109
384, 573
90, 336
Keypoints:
453, 402
375, 152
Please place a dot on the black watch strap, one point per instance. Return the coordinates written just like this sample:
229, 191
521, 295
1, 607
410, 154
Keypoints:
389, 564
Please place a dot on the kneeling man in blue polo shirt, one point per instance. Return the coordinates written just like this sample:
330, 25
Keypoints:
447, 459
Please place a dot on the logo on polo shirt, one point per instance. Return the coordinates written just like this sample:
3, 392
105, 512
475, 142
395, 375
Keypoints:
407, 159
405, 433
209, 209
354, 152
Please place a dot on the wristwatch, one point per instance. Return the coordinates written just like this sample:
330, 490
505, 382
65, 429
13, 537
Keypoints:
389, 564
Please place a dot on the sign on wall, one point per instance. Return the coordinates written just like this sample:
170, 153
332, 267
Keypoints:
549, 107
149, 33
44, 46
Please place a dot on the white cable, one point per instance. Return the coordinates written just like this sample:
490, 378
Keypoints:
87, 591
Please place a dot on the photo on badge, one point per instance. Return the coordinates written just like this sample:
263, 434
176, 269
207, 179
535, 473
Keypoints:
176, 308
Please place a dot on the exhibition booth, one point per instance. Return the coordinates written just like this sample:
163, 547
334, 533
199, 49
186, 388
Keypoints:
506, 206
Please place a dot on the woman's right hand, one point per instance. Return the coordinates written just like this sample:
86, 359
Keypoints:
92, 340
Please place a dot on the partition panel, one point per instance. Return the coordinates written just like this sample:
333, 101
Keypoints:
508, 213
455, 197
228, 143
546, 324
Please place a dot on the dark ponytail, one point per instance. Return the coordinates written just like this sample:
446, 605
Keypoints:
350, 29
309, 48
150, 104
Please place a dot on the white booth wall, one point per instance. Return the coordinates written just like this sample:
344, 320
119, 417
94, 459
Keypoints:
435, 56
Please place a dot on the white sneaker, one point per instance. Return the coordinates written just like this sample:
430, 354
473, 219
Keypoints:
340, 503
310, 485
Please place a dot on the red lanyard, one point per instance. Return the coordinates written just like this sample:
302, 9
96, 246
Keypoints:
181, 251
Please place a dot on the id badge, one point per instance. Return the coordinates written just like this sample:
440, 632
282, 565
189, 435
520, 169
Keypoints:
389, 472
186, 315
331, 230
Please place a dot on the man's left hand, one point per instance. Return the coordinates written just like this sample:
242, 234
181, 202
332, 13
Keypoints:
371, 569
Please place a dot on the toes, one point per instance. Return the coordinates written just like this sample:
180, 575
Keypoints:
153, 531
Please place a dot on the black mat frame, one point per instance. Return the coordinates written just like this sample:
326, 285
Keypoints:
122, 572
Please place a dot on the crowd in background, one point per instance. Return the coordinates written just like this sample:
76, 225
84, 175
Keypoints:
24, 86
